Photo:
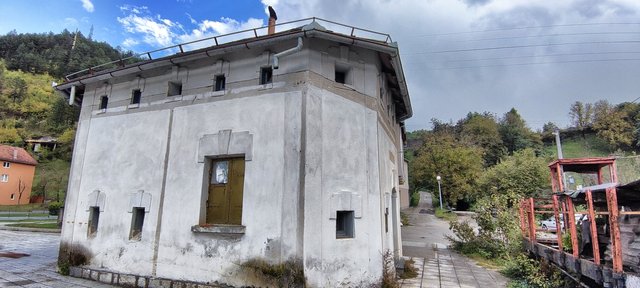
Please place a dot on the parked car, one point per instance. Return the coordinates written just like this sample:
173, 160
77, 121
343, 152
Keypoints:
550, 223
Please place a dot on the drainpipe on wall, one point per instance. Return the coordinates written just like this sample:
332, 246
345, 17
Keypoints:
72, 95
286, 52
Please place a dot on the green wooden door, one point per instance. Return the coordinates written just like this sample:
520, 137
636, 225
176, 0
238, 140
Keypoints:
224, 205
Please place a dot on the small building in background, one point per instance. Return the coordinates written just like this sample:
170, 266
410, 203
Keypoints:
42, 143
16, 175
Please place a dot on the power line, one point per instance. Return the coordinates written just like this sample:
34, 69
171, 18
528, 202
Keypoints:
522, 46
545, 55
550, 35
529, 27
536, 63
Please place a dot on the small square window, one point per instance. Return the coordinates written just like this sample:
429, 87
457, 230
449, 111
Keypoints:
175, 88
266, 75
136, 95
6, 164
137, 220
341, 74
104, 102
220, 82
13, 196
4, 178
94, 218
344, 224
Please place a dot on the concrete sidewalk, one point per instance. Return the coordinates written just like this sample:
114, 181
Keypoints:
38, 269
424, 241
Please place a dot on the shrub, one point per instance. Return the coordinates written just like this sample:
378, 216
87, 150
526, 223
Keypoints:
54, 208
409, 271
404, 219
388, 272
415, 199
286, 274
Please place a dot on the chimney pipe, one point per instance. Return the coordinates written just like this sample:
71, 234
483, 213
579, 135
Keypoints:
272, 21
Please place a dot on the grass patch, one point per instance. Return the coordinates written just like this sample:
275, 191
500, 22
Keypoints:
446, 214
24, 214
23, 208
27, 220
44, 225
404, 219
576, 147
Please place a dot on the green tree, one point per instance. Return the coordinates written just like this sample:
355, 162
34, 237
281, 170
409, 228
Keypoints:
482, 130
581, 116
522, 173
459, 166
515, 134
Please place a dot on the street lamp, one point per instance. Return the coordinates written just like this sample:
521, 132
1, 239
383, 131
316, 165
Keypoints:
439, 190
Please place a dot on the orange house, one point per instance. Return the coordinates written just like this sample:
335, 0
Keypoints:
16, 175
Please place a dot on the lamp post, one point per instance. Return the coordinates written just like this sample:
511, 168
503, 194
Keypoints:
439, 190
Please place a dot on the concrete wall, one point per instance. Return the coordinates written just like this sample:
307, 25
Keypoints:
316, 147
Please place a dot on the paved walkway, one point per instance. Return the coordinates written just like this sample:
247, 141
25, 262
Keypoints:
424, 240
39, 268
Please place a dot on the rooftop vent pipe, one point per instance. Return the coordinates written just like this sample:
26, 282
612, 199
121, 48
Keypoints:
272, 21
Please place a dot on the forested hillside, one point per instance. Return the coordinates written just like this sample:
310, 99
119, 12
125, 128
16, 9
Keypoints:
29, 106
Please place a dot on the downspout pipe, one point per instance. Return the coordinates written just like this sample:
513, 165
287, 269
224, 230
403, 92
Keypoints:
287, 52
72, 95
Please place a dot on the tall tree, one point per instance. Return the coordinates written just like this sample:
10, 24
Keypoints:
514, 132
482, 130
459, 166
581, 116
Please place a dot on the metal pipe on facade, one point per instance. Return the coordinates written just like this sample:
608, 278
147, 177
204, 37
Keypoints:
285, 53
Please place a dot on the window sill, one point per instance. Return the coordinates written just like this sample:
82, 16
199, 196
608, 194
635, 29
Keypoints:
219, 229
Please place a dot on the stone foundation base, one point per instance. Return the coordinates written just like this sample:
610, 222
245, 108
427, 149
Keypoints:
128, 280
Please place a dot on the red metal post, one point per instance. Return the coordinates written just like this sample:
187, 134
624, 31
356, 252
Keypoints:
572, 226
614, 174
558, 223
616, 249
592, 228
600, 175
559, 175
523, 227
532, 222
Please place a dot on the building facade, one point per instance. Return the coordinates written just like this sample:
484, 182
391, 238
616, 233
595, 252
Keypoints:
285, 147
16, 175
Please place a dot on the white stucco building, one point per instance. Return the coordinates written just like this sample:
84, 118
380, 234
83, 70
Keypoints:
189, 165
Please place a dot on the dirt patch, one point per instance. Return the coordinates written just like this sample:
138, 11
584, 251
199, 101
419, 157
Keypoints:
13, 255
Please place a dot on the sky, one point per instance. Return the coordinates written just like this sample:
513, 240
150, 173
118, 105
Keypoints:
459, 56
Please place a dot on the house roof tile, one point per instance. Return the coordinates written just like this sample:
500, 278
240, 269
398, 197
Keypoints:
16, 155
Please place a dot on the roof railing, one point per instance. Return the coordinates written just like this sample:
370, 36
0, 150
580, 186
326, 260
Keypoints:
233, 36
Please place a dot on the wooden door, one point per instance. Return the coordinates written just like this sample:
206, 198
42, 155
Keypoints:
224, 205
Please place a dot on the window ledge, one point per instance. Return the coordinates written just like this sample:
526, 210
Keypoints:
219, 229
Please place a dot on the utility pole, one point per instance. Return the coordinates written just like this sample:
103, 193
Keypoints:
558, 143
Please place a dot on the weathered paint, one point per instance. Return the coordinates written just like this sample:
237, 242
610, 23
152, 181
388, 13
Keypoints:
306, 140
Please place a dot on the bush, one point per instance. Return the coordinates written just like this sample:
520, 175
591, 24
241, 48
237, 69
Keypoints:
54, 208
415, 199
528, 272
287, 274
409, 271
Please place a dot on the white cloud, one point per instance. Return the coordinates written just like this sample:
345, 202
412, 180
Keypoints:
129, 42
161, 32
87, 5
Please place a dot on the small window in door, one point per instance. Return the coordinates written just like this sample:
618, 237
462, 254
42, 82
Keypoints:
266, 75
94, 218
136, 95
220, 82
137, 220
225, 195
